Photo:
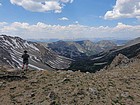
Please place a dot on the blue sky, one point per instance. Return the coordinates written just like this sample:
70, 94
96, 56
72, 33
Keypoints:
70, 18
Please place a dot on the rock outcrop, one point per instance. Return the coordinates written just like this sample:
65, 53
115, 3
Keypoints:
119, 61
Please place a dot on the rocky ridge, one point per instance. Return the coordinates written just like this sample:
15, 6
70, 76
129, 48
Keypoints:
119, 61
119, 86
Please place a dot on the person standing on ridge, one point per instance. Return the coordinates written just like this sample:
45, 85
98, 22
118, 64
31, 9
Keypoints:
25, 57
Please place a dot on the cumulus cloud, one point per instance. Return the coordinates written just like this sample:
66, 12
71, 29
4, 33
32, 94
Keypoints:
42, 5
63, 19
0, 4
42, 30
124, 9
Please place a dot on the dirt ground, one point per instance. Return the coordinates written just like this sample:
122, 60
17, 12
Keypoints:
120, 86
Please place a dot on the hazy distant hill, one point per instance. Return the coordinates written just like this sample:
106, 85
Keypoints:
120, 42
134, 41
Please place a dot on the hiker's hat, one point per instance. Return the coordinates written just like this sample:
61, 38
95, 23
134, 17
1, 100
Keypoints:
25, 51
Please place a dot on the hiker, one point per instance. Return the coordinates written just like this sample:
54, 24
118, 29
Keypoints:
25, 57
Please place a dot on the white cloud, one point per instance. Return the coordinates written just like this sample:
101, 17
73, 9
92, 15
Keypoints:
42, 5
3, 23
76, 22
124, 9
0, 4
66, 1
63, 19
42, 30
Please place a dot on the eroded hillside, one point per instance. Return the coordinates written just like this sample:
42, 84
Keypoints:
11, 50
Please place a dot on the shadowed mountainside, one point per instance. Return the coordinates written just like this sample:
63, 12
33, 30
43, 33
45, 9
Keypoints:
99, 61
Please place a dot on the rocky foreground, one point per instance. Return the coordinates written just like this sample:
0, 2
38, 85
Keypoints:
117, 86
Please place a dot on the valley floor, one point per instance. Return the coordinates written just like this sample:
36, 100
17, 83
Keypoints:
120, 86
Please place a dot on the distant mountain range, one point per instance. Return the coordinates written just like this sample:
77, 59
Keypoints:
120, 42
78, 49
95, 40
73, 55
